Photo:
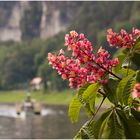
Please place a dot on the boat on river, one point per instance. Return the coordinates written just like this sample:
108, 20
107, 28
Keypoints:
29, 106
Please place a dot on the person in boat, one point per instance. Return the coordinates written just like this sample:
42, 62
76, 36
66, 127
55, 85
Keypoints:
32, 105
28, 105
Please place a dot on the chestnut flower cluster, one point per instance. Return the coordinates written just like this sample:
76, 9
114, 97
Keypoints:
82, 66
136, 91
123, 39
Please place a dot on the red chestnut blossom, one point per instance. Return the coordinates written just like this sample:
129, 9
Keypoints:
123, 39
136, 91
83, 66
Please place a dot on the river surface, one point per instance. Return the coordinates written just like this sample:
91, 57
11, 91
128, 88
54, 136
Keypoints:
53, 123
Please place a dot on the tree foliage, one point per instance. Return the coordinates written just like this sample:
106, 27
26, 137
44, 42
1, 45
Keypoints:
20, 62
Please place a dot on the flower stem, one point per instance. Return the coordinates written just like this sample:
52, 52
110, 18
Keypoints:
97, 110
99, 90
107, 70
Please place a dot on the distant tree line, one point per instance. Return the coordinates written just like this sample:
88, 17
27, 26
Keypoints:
20, 62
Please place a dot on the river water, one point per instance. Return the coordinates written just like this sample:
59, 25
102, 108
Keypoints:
53, 123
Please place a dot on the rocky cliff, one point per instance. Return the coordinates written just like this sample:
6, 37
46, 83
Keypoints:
26, 20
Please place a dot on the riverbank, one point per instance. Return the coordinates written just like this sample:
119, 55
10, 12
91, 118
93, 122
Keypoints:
53, 98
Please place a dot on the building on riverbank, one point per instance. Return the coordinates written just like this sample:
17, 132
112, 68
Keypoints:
36, 83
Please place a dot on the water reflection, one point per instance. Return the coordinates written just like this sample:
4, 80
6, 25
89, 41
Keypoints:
53, 123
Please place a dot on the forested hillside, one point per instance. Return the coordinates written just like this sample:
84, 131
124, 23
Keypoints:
23, 60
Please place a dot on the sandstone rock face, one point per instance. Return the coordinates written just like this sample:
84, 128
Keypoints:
50, 26
55, 17
11, 31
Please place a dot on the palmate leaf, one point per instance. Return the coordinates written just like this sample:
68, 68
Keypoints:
90, 91
138, 77
87, 95
83, 88
114, 128
99, 125
110, 90
130, 124
86, 132
130, 100
88, 109
120, 89
84, 103
135, 58
126, 72
108, 126
90, 94
94, 129
74, 109
92, 102
124, 88
128, 90
114, 124
136, 114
